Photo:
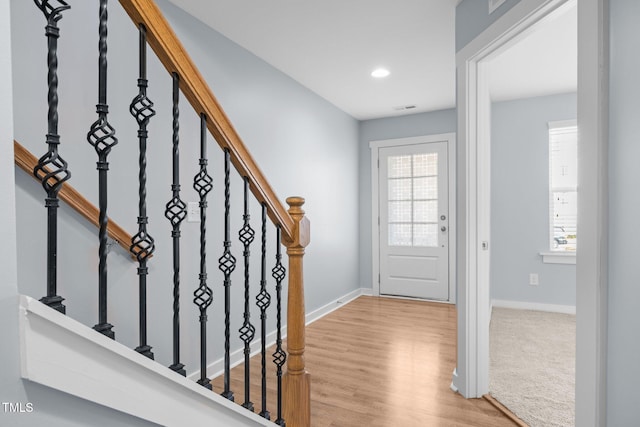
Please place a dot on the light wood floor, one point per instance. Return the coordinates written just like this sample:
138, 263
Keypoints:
381, 362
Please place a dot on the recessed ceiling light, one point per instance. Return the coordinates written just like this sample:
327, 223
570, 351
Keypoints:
380, 73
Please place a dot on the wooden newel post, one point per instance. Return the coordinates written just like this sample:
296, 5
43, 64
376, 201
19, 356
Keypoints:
296, 380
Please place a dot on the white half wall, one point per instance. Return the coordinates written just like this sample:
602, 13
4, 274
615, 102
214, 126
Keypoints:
65, 355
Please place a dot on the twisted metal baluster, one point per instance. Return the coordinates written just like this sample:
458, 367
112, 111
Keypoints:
263, 301
247, 331
175, 212
227, 263
51, 168
203, 296
142, 244
279, 356
102, 137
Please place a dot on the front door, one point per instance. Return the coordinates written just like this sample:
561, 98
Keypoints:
414, 220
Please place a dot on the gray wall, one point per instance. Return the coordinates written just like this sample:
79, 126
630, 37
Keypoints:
304, 145
472, 18
436, 122
520, 201
623, 373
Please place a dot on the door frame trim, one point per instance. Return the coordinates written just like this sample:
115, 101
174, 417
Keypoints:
374, 146
471, 374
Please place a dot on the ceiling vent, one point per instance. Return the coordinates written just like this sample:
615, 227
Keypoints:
404, 107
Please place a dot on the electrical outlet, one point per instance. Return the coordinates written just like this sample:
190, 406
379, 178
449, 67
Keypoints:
193, 212
533, 279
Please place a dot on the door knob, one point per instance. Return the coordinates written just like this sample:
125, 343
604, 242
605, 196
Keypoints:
443, 228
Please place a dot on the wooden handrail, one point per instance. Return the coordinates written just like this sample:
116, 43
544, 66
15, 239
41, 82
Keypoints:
175, 58
27, 161
293, 223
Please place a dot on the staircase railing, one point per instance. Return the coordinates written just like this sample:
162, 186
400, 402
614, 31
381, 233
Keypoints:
26, 161
292, 227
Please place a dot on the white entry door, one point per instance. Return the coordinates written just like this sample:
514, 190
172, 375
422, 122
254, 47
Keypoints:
414, 220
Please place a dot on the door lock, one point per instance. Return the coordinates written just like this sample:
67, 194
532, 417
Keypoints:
442, 217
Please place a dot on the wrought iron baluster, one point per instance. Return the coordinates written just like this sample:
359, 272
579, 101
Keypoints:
142, 244
102, 137
203, 295
263, 301
279, 356
227, 263
52, 168
247, 331
175, 212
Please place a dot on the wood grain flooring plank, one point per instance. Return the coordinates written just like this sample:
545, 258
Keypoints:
381, 362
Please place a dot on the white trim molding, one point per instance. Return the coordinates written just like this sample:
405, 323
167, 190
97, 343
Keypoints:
473, 190
524, 305
593, 185
558, 257
494, 4
450, 139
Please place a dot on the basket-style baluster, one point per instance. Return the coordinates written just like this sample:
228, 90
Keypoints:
52, 168
176, 211
263, 300
227, 263
247, 331
279, 356
203, 295
102, 137
142, 244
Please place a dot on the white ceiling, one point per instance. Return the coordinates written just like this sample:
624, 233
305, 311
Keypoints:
331, 47
545, 62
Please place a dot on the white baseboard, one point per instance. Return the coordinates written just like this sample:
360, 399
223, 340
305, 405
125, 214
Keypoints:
216, 368
332, 306
454, 379
366, 291
522, 305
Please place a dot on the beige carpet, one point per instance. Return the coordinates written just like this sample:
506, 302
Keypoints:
532, 370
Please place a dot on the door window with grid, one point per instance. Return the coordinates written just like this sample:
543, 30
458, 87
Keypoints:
413, 200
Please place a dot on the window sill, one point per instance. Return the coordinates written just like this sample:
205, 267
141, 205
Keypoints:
557, 257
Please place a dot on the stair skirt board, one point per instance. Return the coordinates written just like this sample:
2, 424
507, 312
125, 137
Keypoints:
216, 368
63, 354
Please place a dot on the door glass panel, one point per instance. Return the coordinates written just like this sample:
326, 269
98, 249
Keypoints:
400, 189
425, 164
413, 200
425, 235
399, 166
400, 212
400, 234
425, 188
425, 211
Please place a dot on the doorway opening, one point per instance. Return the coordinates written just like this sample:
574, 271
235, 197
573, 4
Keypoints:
471, 375
533, 206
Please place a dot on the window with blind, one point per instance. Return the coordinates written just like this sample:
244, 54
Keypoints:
563, 185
